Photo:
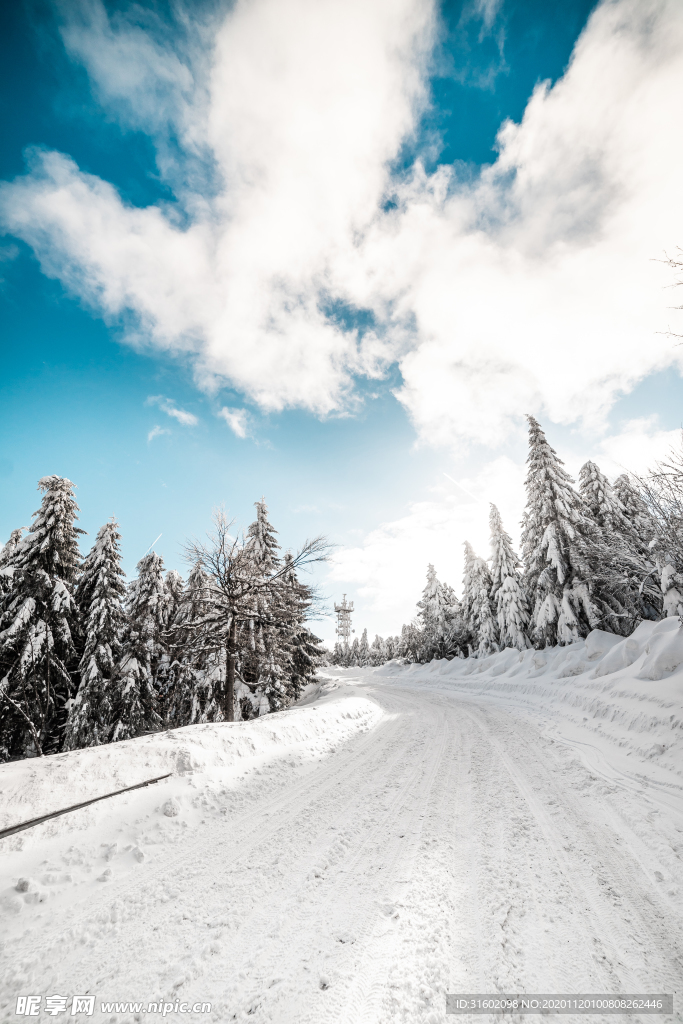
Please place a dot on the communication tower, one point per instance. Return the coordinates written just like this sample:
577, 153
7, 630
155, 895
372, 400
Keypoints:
343, 611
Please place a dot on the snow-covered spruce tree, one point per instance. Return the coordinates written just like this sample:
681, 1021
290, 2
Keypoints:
410, 642
195, 675
378, 653
559, 550
601, 500
38, 617
135, 697
298, 648
507, 590
364, 650
642, 526
625, 570
355, 653
262, 650
477, 609
432, 605
440, 619
175, 588
9, 555
662, 492
99, 596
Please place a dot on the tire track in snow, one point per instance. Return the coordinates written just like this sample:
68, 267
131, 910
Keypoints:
452, 848
89, 913
601, 877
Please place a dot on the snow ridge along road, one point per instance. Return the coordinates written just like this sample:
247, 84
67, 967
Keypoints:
502, 825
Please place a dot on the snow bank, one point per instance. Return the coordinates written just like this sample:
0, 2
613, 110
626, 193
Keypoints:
626, 692
36, 786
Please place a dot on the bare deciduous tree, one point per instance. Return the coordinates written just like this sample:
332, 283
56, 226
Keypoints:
234, 581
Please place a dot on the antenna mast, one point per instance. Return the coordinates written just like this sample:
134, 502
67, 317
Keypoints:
343, 611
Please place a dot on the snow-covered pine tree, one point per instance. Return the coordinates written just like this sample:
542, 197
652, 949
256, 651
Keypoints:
642, 526
135, 698
432, 605
195, 677
9, 555
99, 595
440, 619
600, 499
624, 572
300, 653
377, 651
355, 653
263, 653
364, 650
410, 641
38, 616
175, 587
507, 590
559, 542
645, 543
476, 605
338, 654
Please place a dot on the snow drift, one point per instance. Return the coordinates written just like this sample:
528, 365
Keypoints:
36, 786
617, 697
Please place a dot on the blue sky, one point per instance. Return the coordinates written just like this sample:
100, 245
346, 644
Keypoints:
304, 214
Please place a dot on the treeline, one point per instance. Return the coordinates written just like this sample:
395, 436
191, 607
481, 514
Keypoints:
600, 556
86, 659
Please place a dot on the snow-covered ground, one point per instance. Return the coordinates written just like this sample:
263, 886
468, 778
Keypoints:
511, 824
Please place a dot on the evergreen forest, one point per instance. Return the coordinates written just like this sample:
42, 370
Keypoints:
86, 659
598, 556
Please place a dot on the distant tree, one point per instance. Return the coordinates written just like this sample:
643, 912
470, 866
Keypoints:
364, 650
391, 646
378, 651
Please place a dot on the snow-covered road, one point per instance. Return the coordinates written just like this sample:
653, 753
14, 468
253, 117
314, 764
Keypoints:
457, 843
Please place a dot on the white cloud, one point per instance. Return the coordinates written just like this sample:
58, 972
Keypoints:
385, 571
532, 289
305, 102
186, 419
237, 420
157, 431
388, 568
637, 447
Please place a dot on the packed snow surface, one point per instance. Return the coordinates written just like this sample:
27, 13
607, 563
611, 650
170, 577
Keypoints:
513, 823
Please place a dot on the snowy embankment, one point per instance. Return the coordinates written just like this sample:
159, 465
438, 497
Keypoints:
215, 769
36, 786
618, 701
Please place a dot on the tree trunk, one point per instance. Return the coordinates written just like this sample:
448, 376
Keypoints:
229, 711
